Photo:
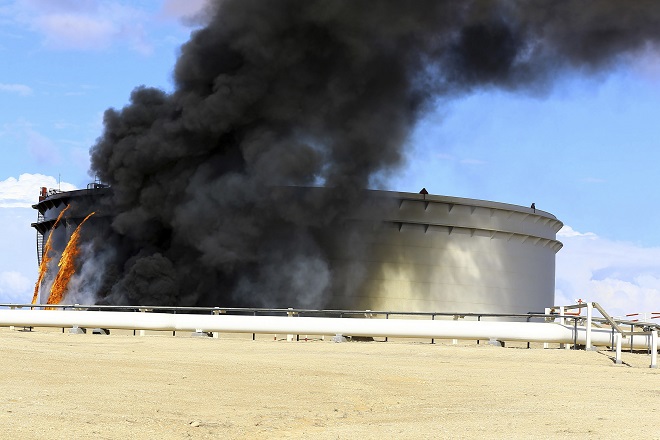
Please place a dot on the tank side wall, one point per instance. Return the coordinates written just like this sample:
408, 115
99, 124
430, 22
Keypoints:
443, 257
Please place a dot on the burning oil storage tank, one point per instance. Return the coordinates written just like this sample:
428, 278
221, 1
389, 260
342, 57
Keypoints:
446, 254
80, 202
399, 251
58, 216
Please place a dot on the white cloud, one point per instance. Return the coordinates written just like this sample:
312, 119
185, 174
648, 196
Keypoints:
74, 31
183, 8
137, 38
567, 232
187, 11
54, 6
24, 191
21, 89
84, 25
623, 277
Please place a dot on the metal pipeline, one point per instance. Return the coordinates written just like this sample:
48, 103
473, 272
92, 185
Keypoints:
402, 328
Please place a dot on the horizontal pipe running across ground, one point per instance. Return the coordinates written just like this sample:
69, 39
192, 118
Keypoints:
402, 328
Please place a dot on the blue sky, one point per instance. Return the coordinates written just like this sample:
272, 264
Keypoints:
583, 147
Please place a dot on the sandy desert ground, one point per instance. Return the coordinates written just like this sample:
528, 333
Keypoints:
66, 386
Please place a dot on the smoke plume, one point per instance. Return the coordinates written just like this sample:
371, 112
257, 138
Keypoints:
276, 94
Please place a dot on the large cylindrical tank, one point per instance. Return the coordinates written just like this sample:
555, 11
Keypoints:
446, 254
81, 203
402, 251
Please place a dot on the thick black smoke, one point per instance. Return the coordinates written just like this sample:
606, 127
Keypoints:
274, 94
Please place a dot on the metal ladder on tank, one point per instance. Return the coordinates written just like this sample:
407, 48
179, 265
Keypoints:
40, 239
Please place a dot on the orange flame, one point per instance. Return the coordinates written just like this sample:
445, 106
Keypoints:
45, 259
67, 266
